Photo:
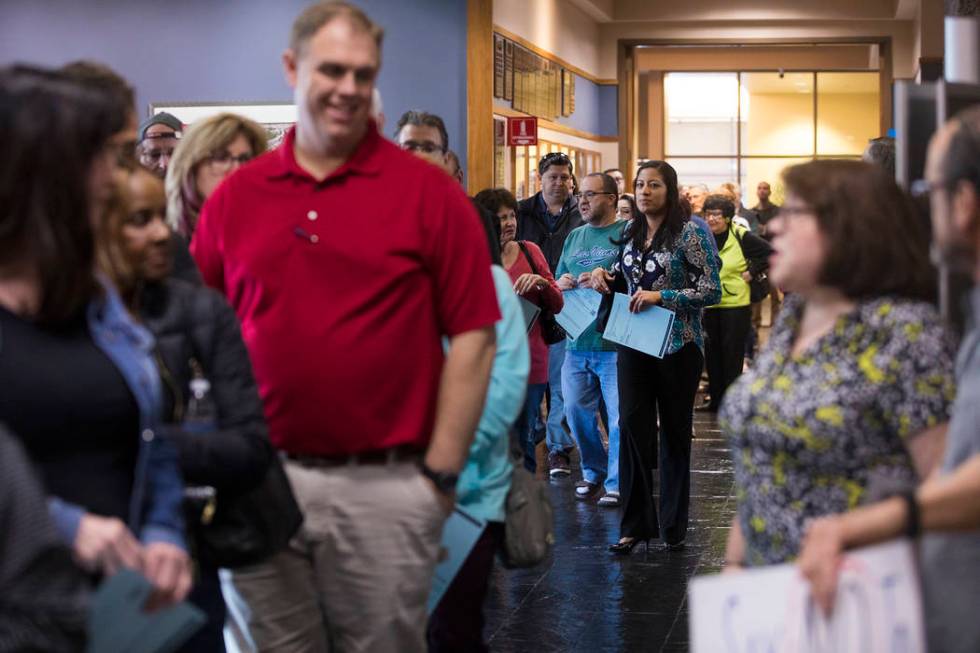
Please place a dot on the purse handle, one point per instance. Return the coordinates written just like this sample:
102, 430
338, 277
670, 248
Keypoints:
527, 256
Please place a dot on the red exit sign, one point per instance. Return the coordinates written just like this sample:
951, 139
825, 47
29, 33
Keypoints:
522, 131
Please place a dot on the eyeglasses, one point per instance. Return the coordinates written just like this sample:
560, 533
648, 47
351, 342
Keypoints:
589, 195
426, 147
224, 161
714, 215
554, 159
793, 211
152, 156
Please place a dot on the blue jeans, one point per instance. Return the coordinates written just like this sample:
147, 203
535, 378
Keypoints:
557, 437
527, 423
586, 376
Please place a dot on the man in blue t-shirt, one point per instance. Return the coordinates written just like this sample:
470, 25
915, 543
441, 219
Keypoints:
589, 371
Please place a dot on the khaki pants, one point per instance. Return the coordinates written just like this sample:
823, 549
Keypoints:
357, 575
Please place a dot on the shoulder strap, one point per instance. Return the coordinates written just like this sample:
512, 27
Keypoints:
527, 255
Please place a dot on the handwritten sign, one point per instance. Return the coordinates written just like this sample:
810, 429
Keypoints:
878, 608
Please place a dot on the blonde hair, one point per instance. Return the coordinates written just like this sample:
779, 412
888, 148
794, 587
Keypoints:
201, 140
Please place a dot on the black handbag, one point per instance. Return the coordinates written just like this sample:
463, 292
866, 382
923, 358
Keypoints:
250, 527
551, 331
759, 286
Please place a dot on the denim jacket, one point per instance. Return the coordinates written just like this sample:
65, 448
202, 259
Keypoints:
155, 513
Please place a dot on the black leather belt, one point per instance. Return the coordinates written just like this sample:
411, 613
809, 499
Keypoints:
399, 454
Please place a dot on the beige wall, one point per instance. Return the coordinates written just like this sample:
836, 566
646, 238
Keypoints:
557, 26
754, 9
900, 32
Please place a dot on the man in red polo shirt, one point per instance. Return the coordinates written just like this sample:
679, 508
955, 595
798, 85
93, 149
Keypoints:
348, 261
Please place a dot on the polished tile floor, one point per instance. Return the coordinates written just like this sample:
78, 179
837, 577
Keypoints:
585, 599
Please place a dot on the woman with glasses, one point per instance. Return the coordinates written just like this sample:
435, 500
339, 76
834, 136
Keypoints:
744, 256
534, 282
666, 260
851, 395
210, 150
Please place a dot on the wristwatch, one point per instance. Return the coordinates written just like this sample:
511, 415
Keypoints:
445, 482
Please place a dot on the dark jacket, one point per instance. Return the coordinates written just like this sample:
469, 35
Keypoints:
44, 597
533, 226
195, 323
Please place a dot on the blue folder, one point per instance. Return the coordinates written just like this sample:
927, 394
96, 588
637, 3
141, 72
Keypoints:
579, 312
647, 331
118, 623
459, 535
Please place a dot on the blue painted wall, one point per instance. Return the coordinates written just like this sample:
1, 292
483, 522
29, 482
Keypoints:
595, 108
229, 50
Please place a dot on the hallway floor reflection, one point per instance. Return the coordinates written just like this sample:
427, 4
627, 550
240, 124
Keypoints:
584, 599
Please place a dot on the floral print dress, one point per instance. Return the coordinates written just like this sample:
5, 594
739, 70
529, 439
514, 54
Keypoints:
810, 433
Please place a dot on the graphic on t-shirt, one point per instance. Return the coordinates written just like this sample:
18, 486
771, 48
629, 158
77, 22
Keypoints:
592, 258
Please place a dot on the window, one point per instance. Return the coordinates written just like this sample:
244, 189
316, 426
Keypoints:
747, 127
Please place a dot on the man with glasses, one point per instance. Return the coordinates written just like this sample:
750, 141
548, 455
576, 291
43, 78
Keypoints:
589, 370
423, 134
546, 219
158, 137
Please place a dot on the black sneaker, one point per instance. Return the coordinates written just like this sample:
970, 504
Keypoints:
559, 464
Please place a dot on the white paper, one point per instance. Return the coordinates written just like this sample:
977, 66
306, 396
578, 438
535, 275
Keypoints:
878, 608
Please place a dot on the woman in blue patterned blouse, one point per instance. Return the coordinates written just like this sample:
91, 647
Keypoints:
664, 259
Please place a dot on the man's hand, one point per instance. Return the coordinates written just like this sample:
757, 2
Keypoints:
105, 544
820, 559
168, 568
528, 282
599, 280
448, 501
567, 282
642, 299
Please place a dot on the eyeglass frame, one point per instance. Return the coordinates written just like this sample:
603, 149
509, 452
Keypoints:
214, 160
415, 146
555, 159
589, 195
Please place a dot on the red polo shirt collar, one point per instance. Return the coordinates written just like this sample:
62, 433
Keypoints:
364, 161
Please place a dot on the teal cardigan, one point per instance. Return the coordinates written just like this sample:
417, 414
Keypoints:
485, 480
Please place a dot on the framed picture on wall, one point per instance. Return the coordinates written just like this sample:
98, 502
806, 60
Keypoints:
276, 117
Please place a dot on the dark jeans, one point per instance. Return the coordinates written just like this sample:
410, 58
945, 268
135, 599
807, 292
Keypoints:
726, 330
457, 622
527, 423
206, 595
648, 386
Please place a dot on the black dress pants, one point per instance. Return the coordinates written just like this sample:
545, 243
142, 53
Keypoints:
648, 386
726, 330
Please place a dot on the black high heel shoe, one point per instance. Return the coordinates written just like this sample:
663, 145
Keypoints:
625, 546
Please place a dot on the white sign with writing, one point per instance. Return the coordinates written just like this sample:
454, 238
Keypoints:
878, 608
